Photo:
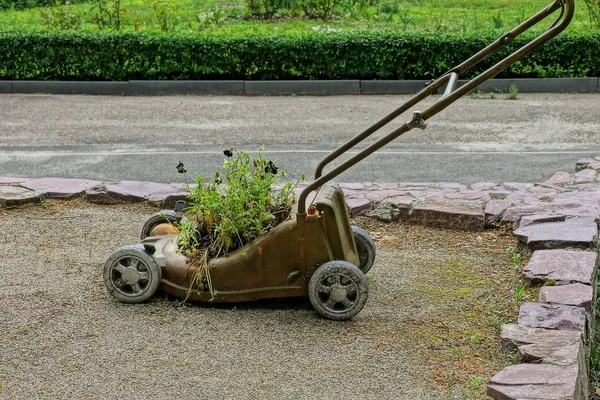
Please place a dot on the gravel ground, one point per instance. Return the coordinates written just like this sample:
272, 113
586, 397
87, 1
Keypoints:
63, 337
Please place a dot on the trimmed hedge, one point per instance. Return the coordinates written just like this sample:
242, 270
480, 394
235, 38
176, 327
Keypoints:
56, 55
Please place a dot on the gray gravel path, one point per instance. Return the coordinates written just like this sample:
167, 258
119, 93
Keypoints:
63, 337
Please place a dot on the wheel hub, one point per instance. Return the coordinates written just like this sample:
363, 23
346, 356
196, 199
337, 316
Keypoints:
338, 293
130, 276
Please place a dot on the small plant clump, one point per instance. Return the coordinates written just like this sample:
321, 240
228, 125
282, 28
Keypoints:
513, 91
236, 206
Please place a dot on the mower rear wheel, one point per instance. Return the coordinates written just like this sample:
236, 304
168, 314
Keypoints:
338, 290
365, 247
161, 217
131, 275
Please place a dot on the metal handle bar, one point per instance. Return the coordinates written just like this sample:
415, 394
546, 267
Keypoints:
450, 95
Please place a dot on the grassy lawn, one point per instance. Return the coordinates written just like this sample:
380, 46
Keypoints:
230, 17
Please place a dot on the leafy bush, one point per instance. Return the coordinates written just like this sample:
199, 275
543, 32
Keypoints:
267, 8
69, 55
320, 8
109, 16
61, 17
164, 12
23, 4
593, 7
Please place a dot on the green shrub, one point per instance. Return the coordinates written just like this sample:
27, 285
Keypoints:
319, 8
23, 4
267, 8
70, 55
164, 11
61, 17
109, 16
593, 8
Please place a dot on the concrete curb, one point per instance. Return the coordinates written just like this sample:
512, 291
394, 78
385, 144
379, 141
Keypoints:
283, 88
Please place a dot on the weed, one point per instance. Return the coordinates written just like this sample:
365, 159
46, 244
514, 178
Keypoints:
61, 17
498, 321
474, 339
516, 258
492, 95
45, 203
109, 16
164, 13
319, 8
475, 383
593, 8
519, 292
497, 21
212, 18
263, 8
405, 19
521, 18
513, 90
475, 95
514, 357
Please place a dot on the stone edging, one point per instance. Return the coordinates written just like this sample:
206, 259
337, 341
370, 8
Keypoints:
264, 88
557, 219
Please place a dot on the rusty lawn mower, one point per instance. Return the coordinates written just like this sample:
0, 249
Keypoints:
316, 253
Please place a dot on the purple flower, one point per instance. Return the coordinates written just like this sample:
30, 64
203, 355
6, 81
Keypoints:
271, 168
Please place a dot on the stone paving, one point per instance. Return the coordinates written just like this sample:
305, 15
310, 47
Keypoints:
557, 219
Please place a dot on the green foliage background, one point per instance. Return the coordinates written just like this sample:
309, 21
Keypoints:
24, 4
75, 55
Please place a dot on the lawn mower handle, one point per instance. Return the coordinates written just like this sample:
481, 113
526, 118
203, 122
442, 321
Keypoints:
451, 94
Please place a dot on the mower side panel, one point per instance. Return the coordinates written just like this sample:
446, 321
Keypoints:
274, 265
331, 204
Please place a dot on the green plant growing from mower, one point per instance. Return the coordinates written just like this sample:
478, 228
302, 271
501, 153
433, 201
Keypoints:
230, 210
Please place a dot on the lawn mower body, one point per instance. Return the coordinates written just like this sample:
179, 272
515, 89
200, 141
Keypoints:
277, 264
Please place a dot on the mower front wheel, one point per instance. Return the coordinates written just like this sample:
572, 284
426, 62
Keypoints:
131, 275
338, 290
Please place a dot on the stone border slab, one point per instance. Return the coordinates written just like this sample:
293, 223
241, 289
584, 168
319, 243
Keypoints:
300, 87
561, 266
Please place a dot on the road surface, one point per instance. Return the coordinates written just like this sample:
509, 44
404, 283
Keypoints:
143, 138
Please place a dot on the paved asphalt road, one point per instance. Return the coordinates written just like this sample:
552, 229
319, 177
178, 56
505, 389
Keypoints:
143, 138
